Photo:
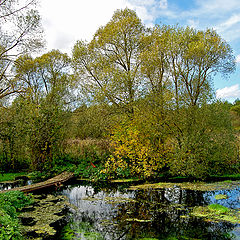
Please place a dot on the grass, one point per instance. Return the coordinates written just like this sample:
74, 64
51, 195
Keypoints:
10, 176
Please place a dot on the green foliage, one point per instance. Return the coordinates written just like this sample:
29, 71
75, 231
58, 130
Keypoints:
33, 127
92, 121
206, 143
110, 61
9, 227
10, 176
156, 82
10, 204
235, 112
15, 199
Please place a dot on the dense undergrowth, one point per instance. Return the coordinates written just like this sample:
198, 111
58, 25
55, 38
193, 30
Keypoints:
10, 205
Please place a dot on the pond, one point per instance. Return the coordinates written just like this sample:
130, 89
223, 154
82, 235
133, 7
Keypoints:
119, 212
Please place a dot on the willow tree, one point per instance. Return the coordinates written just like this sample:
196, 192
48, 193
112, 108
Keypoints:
108, 66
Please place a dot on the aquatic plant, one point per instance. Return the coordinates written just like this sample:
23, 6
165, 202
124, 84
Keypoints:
217, 212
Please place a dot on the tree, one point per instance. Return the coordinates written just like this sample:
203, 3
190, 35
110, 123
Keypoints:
208, 147
25, 36
109, 65
201, 54
47, 80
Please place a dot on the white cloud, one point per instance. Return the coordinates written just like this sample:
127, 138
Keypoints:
229, 92
238, 59
163, 4
217, 5
65, 23
229, 23
193, 23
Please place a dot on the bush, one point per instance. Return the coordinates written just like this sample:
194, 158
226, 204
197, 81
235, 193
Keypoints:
134, 154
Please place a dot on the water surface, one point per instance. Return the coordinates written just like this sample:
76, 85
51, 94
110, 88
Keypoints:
113, 213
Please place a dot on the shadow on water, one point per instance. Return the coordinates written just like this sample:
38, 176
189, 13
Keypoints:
118, 213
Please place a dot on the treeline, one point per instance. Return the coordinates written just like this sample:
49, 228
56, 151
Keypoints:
145, 93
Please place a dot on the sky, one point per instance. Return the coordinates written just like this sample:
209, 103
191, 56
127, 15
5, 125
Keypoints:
65, 22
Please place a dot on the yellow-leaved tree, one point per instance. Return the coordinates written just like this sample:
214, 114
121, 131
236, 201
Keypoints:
133, 153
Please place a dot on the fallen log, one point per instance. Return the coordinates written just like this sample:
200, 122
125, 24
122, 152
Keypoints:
55, 181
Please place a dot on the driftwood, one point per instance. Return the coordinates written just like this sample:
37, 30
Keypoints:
55, 181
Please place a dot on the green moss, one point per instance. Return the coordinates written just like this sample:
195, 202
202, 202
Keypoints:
218, 209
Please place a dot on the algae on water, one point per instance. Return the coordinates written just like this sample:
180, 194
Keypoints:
198, 186
46, 212
221, 196
217, 212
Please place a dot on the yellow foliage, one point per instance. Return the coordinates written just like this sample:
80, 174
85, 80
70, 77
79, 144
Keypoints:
133, 153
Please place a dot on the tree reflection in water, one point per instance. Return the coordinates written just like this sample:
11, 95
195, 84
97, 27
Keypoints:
136, 214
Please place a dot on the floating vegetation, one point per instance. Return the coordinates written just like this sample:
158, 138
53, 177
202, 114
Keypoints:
91, 199
138, 220
129, 180
217, 212
221, 196
149, 214
199, 186
40, 220
148, 239
116, 200
110, 200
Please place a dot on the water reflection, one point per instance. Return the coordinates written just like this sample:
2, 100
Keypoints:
14, 184
136, 214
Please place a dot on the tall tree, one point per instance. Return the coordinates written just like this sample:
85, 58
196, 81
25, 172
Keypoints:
47, 80
200, 55
109, 65
25, 36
